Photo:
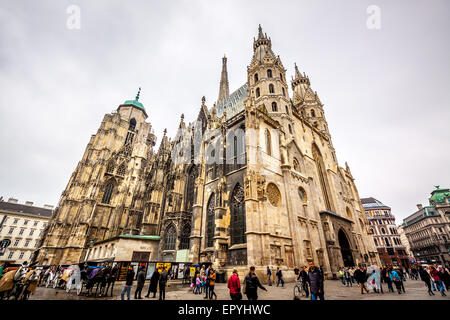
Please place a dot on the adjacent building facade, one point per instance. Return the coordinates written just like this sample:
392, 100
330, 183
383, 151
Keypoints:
253, 180
23, 225
428, 229
382, 226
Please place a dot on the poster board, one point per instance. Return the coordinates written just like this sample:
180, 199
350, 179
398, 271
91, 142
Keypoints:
150, 269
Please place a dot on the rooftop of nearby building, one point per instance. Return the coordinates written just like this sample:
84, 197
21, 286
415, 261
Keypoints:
424, 212
438, 195
372, 203
13, 206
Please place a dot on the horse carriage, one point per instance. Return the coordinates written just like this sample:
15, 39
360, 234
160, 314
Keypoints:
19, 283
100, 277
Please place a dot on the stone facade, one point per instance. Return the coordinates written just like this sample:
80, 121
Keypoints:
428, 229
254, 180
387, 239
24, 225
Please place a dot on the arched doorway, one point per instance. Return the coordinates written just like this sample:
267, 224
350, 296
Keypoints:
346, 252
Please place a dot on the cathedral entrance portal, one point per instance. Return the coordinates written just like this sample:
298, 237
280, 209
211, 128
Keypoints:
346, 252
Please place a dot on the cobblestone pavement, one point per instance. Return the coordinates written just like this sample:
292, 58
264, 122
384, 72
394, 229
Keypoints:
334, 290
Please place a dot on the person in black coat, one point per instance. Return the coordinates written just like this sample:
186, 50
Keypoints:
361, 278
303, 277
153, 284
252, 284
425, 277
315, 281
140, 283
128, 283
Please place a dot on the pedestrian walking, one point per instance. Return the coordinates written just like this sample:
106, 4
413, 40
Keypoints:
303, 278
436, 274
342, 275
352, 274
140, 283
212, 283
269, 276
315, 281
445, 276
279, 275
397, 280
162, 284
153, 284
198, 284
348, 280
128, 283
425, 277
361, 278
251, 283
234, 285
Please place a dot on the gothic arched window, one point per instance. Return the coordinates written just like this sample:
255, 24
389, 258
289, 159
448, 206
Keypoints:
274, 107
313, 114
110, 167
185, 235
296, 165
321, 170
190, 188
257, 92
170, 238
287, 109
271, 88
108, 193
284, 92
122, 169
237, 222
268, 143
132, 124
210, 221
256, 77
269, 73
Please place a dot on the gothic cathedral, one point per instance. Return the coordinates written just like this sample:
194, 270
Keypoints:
254, 180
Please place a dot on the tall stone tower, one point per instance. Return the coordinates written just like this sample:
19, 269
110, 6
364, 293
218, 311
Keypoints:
103, 198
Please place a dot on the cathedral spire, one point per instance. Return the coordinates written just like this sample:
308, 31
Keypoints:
139, 92
224, 90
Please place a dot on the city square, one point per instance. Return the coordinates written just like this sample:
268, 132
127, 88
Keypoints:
200, 149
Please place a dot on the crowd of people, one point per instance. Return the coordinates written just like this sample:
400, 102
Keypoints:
436, 278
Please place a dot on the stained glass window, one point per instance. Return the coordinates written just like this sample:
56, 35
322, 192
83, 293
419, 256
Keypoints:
238, 225
170, 238
210, 222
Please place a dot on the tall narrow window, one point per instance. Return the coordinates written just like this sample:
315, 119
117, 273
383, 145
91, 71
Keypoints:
290, 129
257, 92
210, 221
256, 77
132, 125
296, 165
170, 238
268, 143
237, 222
281, 77
274, 107
269, 73
271, 88
287, 109
185, 235
321, 170
284, 92
313, 114
108, 193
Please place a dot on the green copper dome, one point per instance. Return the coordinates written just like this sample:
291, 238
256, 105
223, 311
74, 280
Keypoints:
438, 195
136, 102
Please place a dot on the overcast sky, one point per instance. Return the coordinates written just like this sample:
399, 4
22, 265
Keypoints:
385, 92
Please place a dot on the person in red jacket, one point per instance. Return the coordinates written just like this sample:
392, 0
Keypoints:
234, 284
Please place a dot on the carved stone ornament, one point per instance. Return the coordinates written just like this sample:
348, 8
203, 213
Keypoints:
273, 194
